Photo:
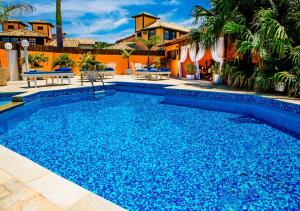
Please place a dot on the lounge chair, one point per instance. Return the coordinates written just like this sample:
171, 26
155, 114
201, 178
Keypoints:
60, 73
108, 71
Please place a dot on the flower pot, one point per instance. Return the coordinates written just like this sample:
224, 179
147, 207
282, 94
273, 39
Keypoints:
280, 87
190, 77
217, 79
3, 77
92, 75
128, 71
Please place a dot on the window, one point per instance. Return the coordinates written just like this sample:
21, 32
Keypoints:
5, 39
11, 27
151, 34
40, 28
171, 55
139, 34
169, 35
14, 39
32, 40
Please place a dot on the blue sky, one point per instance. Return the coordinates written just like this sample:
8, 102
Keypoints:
110, 20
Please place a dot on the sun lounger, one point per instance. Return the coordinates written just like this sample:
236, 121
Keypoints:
59, 74
149, 73
106, 72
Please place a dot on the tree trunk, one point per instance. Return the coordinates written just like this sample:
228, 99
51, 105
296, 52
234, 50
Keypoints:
59, 33
148, 58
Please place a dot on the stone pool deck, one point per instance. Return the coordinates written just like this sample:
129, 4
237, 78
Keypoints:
24, 185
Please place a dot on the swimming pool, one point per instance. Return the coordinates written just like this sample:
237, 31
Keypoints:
7, 97
143, 154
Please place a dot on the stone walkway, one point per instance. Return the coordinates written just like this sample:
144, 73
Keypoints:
26, 186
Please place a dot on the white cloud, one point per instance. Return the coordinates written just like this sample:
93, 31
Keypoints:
171, 2
88, 18
111, 37
168, 16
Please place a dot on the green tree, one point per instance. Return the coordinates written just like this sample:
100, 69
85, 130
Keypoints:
8, 10
149, 44
59, 31
35, 60
126, 55
101, 45
261, 29
63, 60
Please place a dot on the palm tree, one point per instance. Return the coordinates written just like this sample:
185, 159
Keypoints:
59, 33
149, 44
63, 60
126, 55
14, 9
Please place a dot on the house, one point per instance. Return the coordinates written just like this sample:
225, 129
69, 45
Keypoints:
82, 43
147, 26
15, 31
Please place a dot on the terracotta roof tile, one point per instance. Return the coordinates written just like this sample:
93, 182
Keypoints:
41, 22
161, 24
75, 42
21, 33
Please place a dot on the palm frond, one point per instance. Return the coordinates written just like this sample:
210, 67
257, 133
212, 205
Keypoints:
14, 9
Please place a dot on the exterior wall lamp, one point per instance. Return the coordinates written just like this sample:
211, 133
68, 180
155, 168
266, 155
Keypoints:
14, 58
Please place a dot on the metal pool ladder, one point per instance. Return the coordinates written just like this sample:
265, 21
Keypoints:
92, 77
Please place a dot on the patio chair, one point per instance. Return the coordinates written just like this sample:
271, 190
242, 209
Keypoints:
108, 71
61, 73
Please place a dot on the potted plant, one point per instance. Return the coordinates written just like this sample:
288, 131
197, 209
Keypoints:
35, 60
63, 60
215, 69
126, 55
89, 64
191, 71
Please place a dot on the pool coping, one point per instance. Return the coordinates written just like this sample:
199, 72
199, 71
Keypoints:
27, 185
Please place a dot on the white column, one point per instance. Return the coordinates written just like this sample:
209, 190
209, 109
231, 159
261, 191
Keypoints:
13, 65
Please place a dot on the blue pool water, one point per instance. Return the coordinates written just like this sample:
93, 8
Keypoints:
140, 154
3, 102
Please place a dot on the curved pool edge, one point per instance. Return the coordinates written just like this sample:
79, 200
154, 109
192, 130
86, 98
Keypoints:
277, 113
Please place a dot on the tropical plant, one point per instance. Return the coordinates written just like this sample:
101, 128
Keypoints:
266, 35
101, 45
59, 31
126, 55
149, 44
63, 60
190, 68
8, 10
35, 60
89, 62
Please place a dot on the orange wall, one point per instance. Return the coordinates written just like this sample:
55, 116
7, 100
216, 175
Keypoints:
47, 30
121, 63
206, 60
138, 23
3, 58
148, 21
16, 26
173, 64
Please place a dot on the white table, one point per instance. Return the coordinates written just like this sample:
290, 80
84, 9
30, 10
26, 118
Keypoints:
46, 75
